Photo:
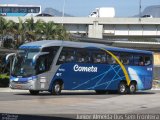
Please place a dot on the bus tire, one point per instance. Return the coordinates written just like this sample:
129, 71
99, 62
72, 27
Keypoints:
56, 88
132, 88
101, 91
34, 92
122, 88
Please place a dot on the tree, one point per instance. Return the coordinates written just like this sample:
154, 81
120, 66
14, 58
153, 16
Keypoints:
61, 33
49, 30
20, 33
3, 23
7, 30
31, 31
39, 29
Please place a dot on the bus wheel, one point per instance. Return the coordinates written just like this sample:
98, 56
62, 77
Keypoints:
56, 88
122, 89
132, 88
34, 92
101, 91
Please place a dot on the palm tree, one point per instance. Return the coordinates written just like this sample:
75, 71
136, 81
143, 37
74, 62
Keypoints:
61, 33
49, 30
9, 31
10, 27
39, 29
3, 23
30, 31
7, 28
20, 33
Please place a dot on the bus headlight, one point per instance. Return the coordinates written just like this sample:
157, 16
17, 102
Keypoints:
34, 79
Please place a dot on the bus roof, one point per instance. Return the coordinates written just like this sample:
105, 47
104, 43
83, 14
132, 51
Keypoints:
47, 43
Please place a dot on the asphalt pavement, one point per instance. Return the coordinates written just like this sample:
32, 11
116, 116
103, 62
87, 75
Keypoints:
73, 104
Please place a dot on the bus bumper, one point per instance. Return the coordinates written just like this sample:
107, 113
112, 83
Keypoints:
29, 85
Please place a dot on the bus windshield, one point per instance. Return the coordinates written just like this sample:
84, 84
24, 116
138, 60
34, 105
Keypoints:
23, 63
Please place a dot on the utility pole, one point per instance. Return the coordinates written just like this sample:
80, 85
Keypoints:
64, 3
140, 6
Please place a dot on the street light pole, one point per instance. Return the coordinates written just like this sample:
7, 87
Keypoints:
140, 10
64, 3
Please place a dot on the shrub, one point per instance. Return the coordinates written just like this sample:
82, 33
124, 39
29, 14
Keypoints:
4, 80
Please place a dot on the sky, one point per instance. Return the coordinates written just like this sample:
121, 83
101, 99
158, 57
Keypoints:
82, 8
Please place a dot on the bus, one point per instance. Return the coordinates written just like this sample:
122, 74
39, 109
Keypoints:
19, 10
55, 65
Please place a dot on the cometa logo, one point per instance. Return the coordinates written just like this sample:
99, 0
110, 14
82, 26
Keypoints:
78, 68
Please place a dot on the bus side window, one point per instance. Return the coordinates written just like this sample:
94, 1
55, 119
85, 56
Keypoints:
66, 55
139, 60
0, 10
147, 60
99, 57
82, 56
111, 60
41, 65
126, 58
52, 53
14, 10
23, 10
6, 10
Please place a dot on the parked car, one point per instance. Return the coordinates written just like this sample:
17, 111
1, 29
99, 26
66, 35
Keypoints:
44, 14
147, 16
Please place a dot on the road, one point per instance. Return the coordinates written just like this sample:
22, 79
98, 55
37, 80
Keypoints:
82, 102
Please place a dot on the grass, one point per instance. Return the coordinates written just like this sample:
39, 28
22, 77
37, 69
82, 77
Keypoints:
4, 80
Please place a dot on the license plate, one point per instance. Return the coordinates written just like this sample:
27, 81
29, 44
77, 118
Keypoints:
18, 86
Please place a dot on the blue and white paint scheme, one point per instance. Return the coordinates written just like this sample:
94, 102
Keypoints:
19, 10
75, 75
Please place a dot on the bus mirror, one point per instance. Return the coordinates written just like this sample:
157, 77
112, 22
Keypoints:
8, 57
38, 55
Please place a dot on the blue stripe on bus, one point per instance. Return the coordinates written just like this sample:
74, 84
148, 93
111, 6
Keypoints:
16, 14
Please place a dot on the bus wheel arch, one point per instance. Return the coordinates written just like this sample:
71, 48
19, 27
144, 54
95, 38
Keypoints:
57, 87
133, 87
122, 87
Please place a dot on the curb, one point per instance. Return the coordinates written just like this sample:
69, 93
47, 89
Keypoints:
155, 89
15, 90
11, 90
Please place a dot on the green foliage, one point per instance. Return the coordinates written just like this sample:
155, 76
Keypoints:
4, 80
29, 30
4, 76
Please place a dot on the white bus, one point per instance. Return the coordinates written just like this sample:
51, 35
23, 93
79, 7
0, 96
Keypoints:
19, 10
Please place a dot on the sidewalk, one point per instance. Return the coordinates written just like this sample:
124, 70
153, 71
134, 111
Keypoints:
7, 89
